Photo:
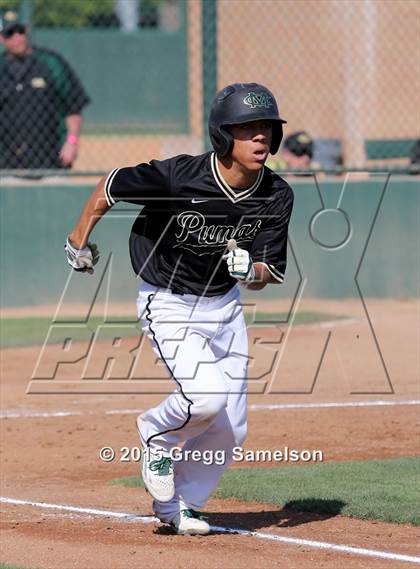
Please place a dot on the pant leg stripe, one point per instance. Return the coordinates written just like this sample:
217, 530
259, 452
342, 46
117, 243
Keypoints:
190, 403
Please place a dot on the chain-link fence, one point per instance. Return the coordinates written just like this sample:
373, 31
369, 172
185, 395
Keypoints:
140, 75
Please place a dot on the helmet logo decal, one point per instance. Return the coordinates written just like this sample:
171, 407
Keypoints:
258, 100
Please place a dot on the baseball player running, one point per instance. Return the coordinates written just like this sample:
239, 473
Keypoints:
209, 223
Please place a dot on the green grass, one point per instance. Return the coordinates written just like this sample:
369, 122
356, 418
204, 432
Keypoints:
300, 317
384, 490
32, 331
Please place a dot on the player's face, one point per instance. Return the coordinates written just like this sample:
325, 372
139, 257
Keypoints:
252, 141
16, 40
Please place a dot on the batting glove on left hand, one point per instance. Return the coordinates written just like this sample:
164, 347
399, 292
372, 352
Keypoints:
240, 265
82, 260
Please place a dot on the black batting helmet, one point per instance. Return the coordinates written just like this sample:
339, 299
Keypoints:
240, 103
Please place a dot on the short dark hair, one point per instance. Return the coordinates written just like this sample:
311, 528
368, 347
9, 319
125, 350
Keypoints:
300, 144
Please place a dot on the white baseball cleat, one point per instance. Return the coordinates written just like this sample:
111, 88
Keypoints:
190, 522
157, 471
158, 475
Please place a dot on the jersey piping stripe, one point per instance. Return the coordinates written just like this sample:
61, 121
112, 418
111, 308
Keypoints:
274, 272
109, 199
190, 403
226, 189
224, 186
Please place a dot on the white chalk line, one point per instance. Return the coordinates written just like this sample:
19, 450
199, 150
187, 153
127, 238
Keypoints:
384, 403
124, 411
334, 323
79, 510
221, 529
30, 414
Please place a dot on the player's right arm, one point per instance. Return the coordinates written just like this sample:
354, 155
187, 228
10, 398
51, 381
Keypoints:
130, 184
82, 255
95, 208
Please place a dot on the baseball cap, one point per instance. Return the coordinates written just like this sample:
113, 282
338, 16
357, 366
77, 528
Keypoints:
299, 143
11, 22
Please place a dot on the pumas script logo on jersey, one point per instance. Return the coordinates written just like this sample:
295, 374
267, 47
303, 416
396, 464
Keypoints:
258, 100
193, 225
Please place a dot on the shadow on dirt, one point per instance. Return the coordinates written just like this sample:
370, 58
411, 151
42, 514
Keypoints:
294, 513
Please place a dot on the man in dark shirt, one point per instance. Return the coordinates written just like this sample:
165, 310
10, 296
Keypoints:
41, 101
208, 223
297, 151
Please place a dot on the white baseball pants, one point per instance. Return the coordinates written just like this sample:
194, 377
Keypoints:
203, 343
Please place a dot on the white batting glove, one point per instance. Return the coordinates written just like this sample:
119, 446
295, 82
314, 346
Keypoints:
84, 259
240, 265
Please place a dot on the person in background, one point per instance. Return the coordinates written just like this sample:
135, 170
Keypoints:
297, 151
41, 102
415, 154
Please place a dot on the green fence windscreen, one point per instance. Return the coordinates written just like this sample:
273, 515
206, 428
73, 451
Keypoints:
137, 82
382, 245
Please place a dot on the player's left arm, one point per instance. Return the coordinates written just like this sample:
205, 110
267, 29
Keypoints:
262, 277
265, 263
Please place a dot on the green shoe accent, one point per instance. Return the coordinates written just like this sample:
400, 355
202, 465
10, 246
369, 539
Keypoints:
190, 522
192, 514
163, 466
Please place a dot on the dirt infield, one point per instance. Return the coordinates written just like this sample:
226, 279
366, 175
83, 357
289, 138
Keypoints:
54, 459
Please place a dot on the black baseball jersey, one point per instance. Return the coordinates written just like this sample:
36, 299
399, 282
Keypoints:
37, 92
190, 213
